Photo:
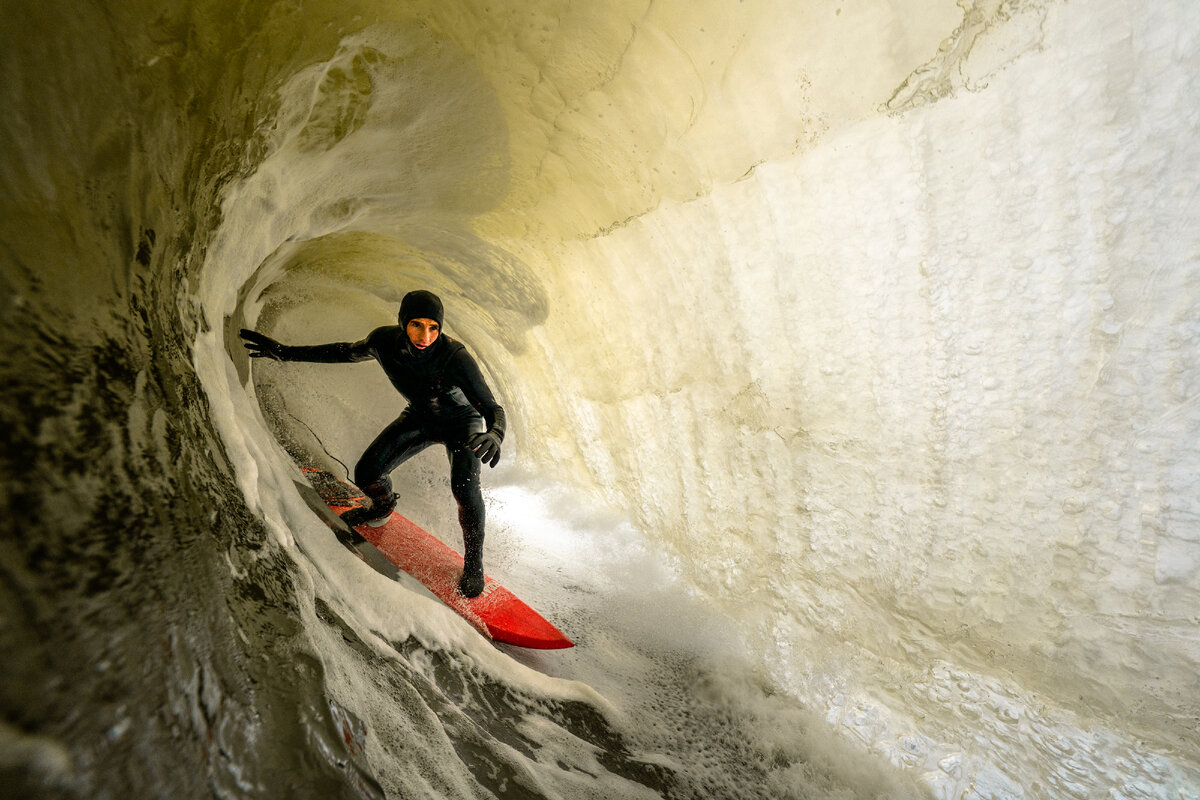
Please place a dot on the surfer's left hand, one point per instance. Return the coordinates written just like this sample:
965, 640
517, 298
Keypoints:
486, 447
263, 346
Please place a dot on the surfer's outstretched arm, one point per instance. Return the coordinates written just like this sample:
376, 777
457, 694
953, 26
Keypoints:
263, 346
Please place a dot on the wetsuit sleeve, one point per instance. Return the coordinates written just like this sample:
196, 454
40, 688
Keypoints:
467, 376
335, 353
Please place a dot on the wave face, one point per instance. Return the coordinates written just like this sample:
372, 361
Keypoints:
849, 353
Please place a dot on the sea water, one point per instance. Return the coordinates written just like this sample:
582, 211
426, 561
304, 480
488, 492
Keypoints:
849, 351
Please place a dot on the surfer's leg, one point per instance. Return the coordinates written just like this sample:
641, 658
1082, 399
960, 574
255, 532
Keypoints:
464, 483
397, 443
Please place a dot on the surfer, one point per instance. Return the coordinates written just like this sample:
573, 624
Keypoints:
449, 402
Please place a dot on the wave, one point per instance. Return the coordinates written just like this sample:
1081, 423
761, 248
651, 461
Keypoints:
847, 433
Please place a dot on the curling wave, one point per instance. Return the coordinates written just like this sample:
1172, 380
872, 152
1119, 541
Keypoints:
849, 378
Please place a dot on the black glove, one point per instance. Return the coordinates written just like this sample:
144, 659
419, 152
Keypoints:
261, 346
486, 447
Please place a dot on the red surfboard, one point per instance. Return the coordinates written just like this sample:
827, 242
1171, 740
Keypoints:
497, 613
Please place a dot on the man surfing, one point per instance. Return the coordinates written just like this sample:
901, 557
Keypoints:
449, 403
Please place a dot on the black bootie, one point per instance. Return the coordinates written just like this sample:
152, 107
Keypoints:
375, 514
471, 583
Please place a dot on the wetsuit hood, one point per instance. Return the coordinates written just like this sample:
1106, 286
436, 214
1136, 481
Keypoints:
420, 305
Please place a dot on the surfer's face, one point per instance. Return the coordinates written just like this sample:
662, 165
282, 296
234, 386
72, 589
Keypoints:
422, 332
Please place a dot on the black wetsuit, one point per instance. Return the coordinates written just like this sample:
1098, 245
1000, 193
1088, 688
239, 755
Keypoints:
448, 402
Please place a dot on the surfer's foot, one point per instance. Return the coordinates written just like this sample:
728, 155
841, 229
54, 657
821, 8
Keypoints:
374, 515
471, 583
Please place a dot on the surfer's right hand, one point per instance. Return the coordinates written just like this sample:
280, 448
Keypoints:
486, 447
261, 346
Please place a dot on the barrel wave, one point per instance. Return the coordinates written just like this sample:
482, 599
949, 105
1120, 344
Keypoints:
849, 353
